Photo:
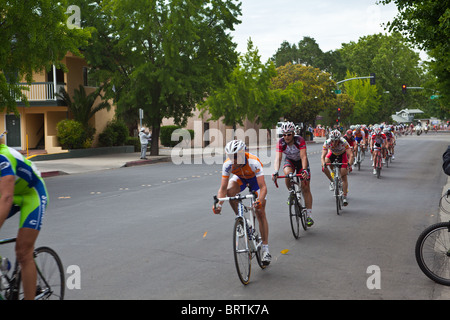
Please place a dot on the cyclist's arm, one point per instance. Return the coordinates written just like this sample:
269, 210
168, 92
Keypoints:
276, 164
222, 193
324, 154
6, 196
304, 157
349, 156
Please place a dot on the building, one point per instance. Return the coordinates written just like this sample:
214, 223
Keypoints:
405, 115
35, 127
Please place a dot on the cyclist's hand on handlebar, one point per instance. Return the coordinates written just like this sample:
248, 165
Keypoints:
257, 204
217, 209
274, 176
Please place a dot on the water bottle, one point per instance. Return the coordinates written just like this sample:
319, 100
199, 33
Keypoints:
5, 265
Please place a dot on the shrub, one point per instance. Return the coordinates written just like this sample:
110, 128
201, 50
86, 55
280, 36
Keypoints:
71, 134
115, 134
166, 135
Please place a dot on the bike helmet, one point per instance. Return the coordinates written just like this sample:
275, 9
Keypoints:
234, 146
349, 132
335, 135
287, 127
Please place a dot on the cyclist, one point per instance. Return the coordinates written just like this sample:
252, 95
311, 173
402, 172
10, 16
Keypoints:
390, 138
349, 136
22, 189
338, 148
296, 159
246, 169
377, 143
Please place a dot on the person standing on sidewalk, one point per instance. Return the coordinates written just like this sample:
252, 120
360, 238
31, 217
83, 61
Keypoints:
145, 138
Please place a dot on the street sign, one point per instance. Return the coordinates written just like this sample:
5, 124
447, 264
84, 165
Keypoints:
337, 91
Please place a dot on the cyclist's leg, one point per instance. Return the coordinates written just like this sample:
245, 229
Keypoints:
235, 185
326, 170
33, 207
344, 172
289, 167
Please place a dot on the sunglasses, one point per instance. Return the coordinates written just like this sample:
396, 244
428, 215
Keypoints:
287, 134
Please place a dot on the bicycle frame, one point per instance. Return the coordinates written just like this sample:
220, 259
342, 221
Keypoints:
12, 292
242, 210
337, 180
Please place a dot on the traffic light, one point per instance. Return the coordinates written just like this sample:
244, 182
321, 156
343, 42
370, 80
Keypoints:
372, 79
404, 88
338, 112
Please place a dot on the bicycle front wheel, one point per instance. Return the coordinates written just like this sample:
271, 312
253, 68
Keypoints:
294, 216
433, 252
242, 254
337, 194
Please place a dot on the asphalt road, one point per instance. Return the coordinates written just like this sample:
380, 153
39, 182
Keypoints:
148, 232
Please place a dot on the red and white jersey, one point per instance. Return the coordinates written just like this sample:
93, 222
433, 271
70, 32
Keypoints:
292, 152
337, 149
379, 139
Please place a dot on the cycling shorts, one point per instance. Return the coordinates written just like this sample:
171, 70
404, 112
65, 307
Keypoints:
342, 158
31, 205
358, 139
297, 166
243, 183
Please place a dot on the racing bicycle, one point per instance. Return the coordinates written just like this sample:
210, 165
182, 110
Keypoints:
433, 248
338, 184
50, 276
297, 209
360, 155
377, 160
247, 242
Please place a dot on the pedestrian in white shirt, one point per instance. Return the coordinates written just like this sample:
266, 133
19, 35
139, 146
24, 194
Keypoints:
144, 137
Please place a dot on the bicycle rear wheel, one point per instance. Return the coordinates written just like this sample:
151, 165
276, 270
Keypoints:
242, 254
433, 252
50, 282
294, 216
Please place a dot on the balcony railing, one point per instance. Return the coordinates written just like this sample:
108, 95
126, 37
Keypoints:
41, 91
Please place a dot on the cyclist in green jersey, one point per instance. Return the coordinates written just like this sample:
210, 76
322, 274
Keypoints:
22, 189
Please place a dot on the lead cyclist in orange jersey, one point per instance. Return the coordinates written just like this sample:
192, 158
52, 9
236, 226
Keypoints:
247, 169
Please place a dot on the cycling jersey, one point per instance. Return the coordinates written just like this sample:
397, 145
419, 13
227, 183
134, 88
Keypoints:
378, 140
337, 149
30, 194
245, 174
292, 152
359, 135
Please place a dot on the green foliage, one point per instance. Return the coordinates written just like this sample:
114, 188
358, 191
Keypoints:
114, 134
248, 95
366, 98
151, 56
168, 131
33, 36
317, 91
83, 106
426, 24
71, 135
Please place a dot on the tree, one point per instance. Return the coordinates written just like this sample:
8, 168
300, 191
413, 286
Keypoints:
318, 90
426, 25
393, 62
33, 36
366, 99
150, 56
247, 94
83, 106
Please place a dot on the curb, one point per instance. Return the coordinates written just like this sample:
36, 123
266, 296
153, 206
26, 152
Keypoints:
145, 161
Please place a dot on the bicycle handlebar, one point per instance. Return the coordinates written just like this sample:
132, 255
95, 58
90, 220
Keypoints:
290, 176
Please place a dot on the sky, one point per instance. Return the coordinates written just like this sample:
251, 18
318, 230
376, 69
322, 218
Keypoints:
330, 22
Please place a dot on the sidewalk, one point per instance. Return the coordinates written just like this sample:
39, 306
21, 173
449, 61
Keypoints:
50, 168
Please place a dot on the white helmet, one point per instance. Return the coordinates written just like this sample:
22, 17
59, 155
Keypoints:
287, 127
335, 135
234, 146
